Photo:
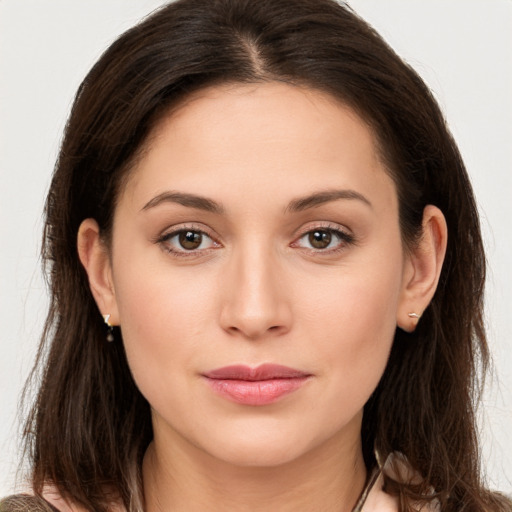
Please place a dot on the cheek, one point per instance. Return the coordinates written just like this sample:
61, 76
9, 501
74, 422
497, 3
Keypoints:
163, 316
352, 321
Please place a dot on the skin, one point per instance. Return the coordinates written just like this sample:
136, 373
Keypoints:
257, 291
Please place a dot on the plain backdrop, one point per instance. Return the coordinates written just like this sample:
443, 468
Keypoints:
462, 48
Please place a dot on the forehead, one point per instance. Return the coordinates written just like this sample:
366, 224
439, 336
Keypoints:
258, 136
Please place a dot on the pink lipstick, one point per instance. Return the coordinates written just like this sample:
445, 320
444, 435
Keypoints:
262, 385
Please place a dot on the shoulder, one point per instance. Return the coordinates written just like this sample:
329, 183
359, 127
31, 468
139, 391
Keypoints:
50, 501
397, 468
380, 501
53, 497
26, 503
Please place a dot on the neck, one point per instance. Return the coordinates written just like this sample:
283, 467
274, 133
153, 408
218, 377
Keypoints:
186, 479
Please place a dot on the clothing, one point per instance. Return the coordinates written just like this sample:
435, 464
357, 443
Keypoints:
374, 498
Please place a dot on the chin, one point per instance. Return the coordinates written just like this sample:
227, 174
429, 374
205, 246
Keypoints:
258, 456
265, 447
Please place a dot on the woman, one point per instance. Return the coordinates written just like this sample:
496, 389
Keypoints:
266, 276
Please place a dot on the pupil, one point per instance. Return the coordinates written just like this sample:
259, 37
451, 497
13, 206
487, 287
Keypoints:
320, 239
190, 239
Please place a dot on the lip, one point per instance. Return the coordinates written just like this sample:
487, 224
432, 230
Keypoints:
262, 385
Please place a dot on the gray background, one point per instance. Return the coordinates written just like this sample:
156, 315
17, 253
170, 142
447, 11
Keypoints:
462, 48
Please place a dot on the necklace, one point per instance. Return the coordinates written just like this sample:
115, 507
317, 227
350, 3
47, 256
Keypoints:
366, 491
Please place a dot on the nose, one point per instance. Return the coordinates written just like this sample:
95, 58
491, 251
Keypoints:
254, 295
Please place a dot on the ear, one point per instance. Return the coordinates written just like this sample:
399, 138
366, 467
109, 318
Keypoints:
95, 258
422, 268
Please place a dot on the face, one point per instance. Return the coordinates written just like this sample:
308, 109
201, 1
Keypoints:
259, 228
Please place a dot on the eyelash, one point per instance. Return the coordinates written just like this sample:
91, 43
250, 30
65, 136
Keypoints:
165, 239
344, 239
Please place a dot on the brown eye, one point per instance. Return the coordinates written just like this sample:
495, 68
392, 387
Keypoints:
320, 239
187, 242
190, 240
325, 240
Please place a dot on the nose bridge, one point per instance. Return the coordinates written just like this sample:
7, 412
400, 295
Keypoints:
254, 301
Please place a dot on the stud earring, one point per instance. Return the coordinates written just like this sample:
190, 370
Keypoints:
110, 328
413, 315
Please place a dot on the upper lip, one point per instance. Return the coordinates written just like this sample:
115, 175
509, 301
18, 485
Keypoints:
262, 372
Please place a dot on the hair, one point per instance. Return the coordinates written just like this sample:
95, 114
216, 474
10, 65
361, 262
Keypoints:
89, 427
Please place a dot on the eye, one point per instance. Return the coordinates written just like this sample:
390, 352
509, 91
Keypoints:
187, 240
320, 239
324, 239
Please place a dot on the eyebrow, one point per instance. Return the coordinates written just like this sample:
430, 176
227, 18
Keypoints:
189, 200
319, 198
296, 205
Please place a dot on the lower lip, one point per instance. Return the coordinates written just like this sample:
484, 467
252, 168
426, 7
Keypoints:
260, 392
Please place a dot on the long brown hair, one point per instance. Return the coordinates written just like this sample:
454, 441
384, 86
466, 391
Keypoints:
90, 426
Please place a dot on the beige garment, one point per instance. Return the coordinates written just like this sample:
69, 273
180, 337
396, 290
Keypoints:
55, 499
374, 499
62, 505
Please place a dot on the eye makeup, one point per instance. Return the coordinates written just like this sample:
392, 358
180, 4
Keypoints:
191, 240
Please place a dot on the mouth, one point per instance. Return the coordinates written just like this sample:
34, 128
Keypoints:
262, 385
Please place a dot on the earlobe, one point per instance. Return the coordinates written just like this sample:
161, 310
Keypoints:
94, 257
422, 269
